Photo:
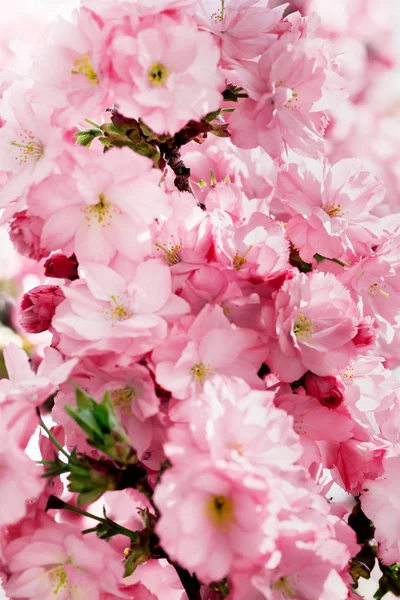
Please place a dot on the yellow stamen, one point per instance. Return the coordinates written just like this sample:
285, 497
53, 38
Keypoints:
333, 210
84, 66
158, 74
219, 510
118, 312
171, 252
200, 372
239, 261
374, 290
304, 328
219, 14
59, 580
284, 587
122, 399
101, 212
28, 147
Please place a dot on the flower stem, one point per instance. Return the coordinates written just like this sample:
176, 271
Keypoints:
55, 503
51, 436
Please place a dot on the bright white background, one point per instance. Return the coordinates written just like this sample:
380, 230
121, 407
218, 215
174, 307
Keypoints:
11, 10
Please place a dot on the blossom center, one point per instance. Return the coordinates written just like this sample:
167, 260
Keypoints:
118, 311
284, 586
28, 147
101, 212
304, 328
333, 210
171, 252
200, 372
59, 580
374, 290
122, 399
239, 261
219, 14
83, 66
220, 511
292, 102
158, 74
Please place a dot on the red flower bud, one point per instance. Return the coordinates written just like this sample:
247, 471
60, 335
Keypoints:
60, 266
38, 307
328, 390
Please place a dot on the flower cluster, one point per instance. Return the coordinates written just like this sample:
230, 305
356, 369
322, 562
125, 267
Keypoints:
217, 306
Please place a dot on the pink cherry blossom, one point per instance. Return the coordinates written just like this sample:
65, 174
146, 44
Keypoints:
212, 345
29, 144
306, 570
233, 423
20, 477
244, 29
167, 84
380, 500
256, 249
210, 519
57, 560
289, 88
70, 71
105, 313
316, 320
96, 214
331, 208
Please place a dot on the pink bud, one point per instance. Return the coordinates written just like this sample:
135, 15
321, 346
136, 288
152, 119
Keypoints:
366, 333
38, 307
60, 266
328, 390
25, 232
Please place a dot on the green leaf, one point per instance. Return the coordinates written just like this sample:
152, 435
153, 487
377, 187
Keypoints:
85, 138
212, 115
100, 422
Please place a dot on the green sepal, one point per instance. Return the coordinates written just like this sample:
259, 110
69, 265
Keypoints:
85, 138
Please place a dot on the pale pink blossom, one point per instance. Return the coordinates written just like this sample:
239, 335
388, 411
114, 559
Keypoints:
210, 518
315, 323
211, 346
256, 249
20, 477
103, 209
289, 89
243, 29
331, 208
305, 570
58, 560
167, 87
107, 314
235, 424
70, 70
380, 502
29, 143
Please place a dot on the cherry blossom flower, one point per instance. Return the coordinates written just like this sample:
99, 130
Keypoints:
316, 320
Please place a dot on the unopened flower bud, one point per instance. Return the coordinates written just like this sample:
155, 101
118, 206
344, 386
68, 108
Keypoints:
366, 333
61, 267
38, 307
328, 390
